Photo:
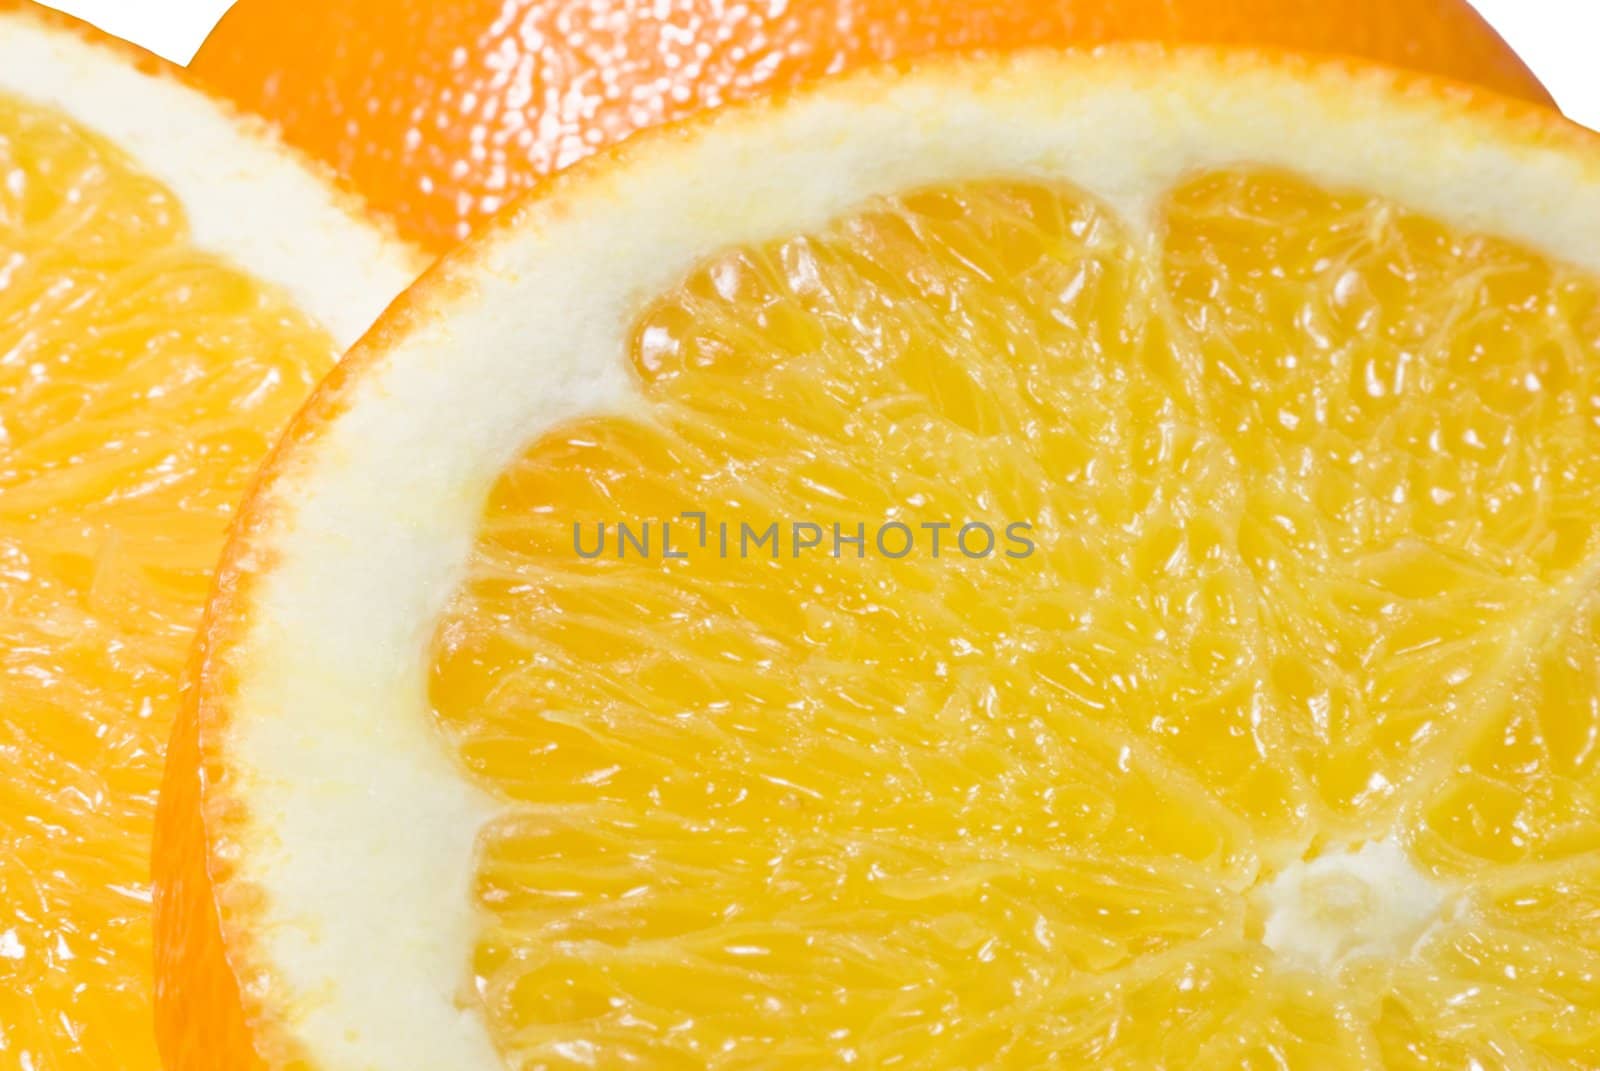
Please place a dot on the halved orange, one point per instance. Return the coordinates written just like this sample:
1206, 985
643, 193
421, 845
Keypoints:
441, 112
172, 282
1069, 560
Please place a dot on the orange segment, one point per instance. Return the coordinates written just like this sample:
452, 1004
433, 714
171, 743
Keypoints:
1527, 791
1419, 405
441, 113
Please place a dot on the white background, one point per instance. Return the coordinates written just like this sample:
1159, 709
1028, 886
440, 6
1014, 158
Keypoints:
1559, 39
170, 28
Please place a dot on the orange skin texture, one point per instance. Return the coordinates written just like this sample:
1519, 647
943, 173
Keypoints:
210, 1029
209, 1016
439, 113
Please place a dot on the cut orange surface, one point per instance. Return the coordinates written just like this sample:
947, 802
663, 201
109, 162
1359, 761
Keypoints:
157, 328
440, 113
588, 684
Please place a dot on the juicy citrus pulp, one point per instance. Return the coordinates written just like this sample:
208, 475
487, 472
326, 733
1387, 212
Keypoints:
1272, 746
142, 377
142, 381
441, 113
1314, 485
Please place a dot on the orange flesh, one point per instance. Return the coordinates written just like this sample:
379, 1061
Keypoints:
439, 113
1314, 486
141, 381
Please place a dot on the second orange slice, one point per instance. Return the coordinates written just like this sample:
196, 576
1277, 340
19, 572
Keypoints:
172, 282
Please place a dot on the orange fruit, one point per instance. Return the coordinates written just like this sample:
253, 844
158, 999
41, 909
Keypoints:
172, 281
440, 113
1246, 718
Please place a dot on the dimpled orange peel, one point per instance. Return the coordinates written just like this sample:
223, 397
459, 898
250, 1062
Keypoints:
1266, 738
439, 113
172, 282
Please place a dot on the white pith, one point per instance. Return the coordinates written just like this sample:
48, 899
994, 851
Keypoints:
246, 198
360, 831
1344, 906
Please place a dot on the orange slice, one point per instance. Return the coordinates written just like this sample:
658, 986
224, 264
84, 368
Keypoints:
1243, 717
440, 113
171, 284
